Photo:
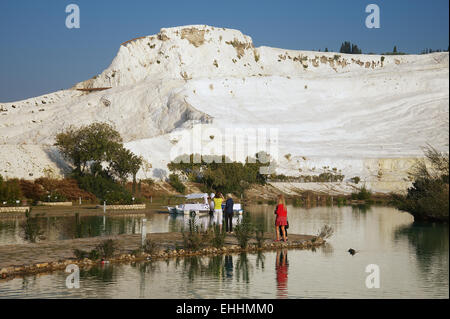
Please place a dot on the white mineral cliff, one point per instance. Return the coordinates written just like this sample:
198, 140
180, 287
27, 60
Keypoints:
366, 115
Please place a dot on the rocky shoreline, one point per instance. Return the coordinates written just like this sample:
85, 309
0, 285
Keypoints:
28, 259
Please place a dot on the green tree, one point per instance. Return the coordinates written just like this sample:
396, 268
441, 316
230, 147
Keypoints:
345, 47
120, 164
125, 163
68, 143
350, 48
355, 49
244, 230
175, 182
135, 165
96, 142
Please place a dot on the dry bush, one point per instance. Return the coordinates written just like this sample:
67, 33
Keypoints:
256, 54
240, 47
67, 188
195, 36
32, 190
325, 232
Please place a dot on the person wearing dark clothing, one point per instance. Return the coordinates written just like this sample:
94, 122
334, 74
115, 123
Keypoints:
229, 214
285, 229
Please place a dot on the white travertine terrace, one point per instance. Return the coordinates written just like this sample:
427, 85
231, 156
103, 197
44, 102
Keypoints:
367, 115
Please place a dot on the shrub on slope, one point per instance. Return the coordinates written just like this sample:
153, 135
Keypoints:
428, 198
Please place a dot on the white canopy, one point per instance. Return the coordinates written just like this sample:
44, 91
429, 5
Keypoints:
196, 195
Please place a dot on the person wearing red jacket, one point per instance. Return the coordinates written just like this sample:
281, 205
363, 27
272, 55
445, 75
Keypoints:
281, 219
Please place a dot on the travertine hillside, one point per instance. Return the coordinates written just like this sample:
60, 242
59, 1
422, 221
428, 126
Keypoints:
366, 115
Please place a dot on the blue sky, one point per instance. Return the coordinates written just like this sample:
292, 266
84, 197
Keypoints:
39, 54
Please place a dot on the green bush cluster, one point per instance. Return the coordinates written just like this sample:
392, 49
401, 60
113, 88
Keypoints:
195, 238
174, 181
328, 176
106, 189
363, 194
54, 197
105, 249
10, 191
218, 237
81, 254
219, 173
428, 198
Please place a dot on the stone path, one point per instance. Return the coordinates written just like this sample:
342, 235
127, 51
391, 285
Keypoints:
54, 251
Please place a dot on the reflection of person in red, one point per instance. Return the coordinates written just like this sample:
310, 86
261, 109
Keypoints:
281, 268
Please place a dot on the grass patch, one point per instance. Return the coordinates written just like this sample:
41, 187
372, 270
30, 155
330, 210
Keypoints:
218, 237
243, 231
150, 247
194, 238
107, 248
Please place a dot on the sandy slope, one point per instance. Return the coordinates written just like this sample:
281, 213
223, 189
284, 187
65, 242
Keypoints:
367, 115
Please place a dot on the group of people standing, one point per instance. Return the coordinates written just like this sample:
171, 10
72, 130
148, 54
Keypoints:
218, 212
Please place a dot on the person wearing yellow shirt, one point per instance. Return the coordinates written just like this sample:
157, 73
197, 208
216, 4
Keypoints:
218, 199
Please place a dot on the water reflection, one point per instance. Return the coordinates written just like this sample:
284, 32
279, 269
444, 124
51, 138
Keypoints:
428, 242
220, 267
413, 259
82, 226
327, 249
429, 238
260, 260
360, 208
74, 226
228, 266
281, 269
103, 273
243, 268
